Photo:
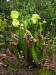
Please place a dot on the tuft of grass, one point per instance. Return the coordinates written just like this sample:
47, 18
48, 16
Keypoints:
45, 72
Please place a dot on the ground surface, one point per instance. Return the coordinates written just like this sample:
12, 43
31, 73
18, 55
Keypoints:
6, 70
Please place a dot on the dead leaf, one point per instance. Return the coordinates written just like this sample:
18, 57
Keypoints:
14, 43
3, 55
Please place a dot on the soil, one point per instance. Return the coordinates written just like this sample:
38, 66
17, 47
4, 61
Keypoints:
6, 70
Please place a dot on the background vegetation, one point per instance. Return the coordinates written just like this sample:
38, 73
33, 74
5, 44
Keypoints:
46, 26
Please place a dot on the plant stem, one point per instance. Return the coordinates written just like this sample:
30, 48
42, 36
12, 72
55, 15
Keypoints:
40, 28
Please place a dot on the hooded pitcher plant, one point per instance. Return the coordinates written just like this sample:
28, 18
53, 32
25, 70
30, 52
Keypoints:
31, 45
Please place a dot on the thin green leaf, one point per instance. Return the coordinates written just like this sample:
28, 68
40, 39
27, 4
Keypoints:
16, 52
34, 55
12, 65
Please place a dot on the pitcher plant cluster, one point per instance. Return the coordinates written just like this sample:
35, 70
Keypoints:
33, 43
